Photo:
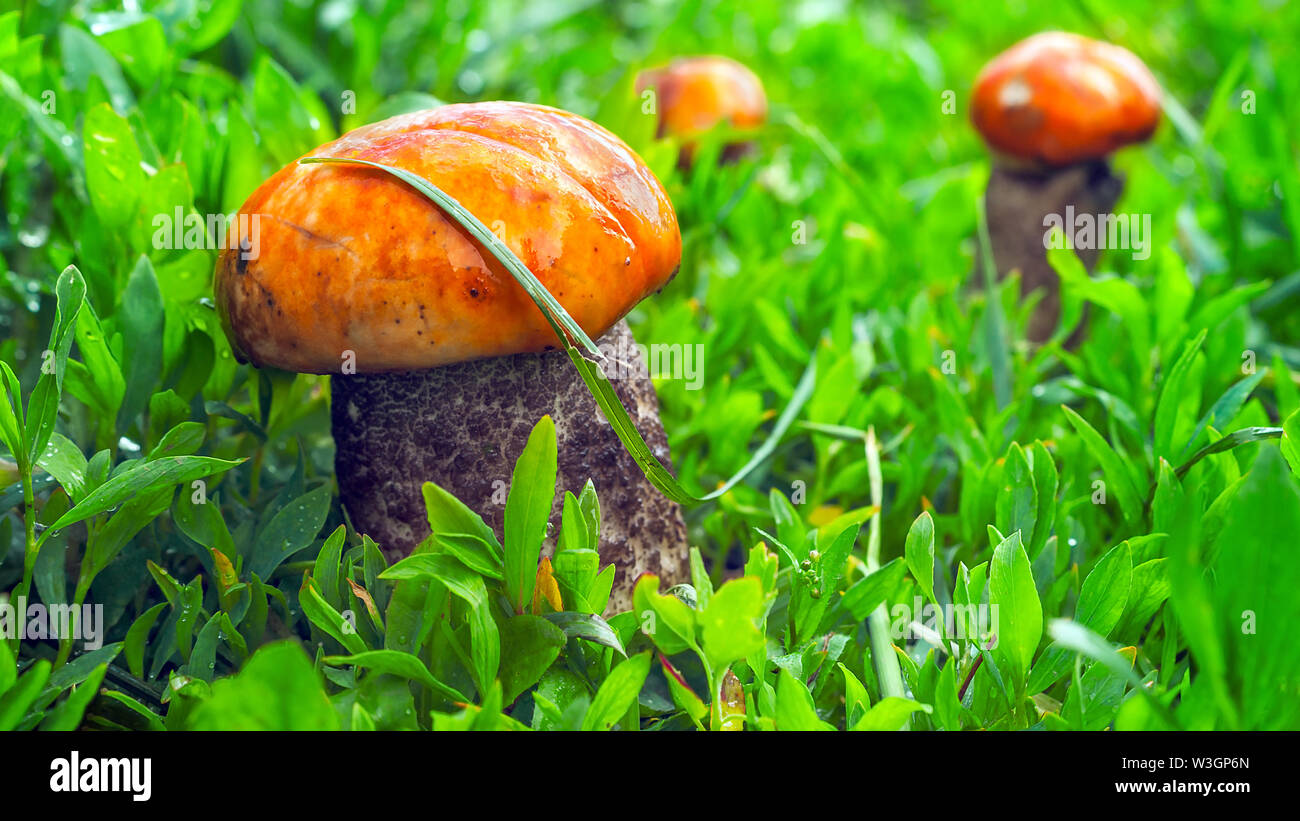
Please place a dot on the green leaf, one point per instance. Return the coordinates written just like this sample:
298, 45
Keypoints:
1019, 615
1079, 639
1291, 441
729, 625
869, 593
1017, 501
1045, 484
8, 668
276, 690
23, 694
397, 663
700, 579
83, 58
1102, 600
204, 523
573, 527
1243, 436
1255, 583
148, 717
1105, 591
668, 622
11, 412
946, 705
97, 379
1174, 394
1118, 479
617, 693
474, 553
286, 125
528, 507
447, 514
182, 440
485, 643
1226, 408
294, 527
64, 461
576, 572
43, 407
67, 716
856, 700
114, 177
529, 644
794, 705
919, 550
141, 48
140, 478
1094, 698
320, 613
141, 320
328, 564
203, 657
890, 714
1117, 295
587, 626
79, 669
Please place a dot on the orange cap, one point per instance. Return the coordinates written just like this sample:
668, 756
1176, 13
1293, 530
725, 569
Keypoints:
698, 93
1059, 98
351, 259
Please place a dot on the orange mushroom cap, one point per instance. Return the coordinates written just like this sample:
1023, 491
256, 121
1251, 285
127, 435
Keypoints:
696, 94
351, 259
1059, 98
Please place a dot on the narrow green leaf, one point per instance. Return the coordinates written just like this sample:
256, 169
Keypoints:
1019, 617
528, 508
919, 550
1118, 479
397, 663
617, 693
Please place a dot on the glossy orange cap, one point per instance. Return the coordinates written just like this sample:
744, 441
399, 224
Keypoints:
351, 264
1058, 99
696, 94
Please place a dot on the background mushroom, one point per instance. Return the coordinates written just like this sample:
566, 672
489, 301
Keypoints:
439, 360
696, 94
1053, 107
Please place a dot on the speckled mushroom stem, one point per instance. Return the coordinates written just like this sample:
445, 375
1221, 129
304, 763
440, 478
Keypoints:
1017, 200
463, 426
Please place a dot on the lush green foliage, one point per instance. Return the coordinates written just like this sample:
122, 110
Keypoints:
1129, 506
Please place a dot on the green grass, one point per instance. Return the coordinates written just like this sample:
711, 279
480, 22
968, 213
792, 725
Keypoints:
1129, 505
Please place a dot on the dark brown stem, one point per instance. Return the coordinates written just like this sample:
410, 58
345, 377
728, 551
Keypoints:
961, 693
463, 426
1017, 200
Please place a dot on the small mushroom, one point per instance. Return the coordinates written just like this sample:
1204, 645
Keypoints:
1053, 107
440, 362
697, 94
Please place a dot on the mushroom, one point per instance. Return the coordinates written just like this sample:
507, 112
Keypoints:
1053, 107
696, 94
440, 363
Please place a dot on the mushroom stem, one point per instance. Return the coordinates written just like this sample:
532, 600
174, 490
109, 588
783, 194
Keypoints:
1017, 200
463, 426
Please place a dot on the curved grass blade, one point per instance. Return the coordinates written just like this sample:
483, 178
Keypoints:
568, 331
551, 308
1237, 437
